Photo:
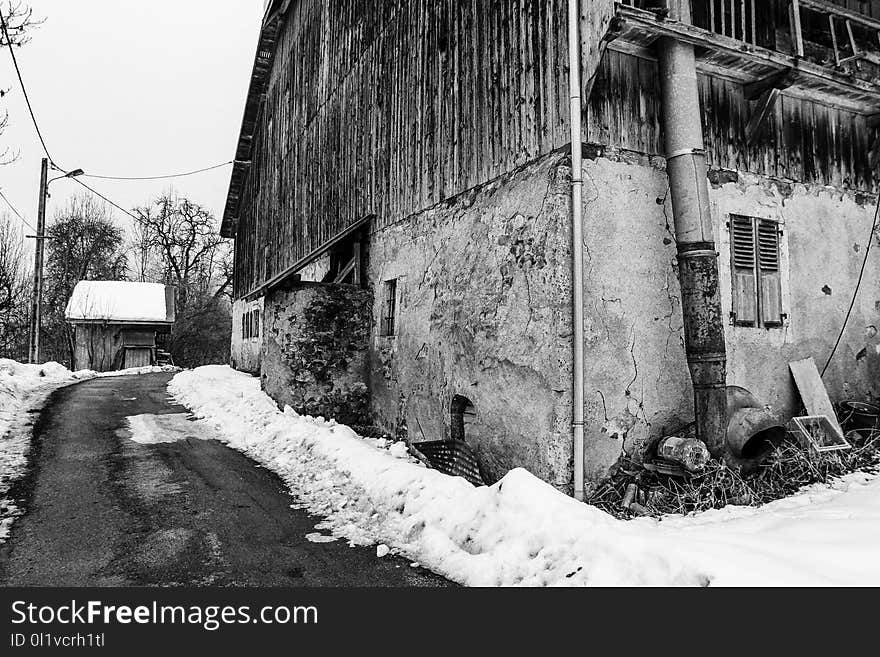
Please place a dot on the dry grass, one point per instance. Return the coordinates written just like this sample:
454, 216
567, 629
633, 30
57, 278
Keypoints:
788, 469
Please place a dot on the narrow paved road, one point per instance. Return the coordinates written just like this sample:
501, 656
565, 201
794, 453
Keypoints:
105, 510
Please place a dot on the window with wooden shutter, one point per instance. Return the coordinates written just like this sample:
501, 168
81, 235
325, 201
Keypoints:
770, 299
756, 272
742, 242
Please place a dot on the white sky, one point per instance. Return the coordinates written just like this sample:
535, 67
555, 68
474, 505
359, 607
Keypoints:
129, 88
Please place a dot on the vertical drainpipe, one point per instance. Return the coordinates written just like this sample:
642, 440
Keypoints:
577, 237
697, 259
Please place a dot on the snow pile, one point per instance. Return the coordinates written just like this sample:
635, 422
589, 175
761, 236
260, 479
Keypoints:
150, 429
23, 388
523, 531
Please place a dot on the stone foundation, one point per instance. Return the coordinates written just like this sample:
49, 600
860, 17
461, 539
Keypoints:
315, 351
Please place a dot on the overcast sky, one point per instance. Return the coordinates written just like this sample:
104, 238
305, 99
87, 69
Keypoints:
127, 88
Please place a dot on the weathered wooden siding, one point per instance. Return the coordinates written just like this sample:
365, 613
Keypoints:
384, 108
803, 140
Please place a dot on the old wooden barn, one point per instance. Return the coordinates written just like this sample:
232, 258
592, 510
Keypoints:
414, 253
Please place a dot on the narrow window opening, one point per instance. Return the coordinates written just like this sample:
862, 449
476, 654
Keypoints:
389, 305
463, 417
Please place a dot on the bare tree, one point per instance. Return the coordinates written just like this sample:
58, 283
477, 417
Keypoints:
83, 244
14, 290
18, 20
191, 252
178, 243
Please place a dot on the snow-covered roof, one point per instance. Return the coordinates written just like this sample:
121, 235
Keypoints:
121, 301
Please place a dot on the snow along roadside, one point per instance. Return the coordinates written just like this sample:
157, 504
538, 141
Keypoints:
24, 390
523, 531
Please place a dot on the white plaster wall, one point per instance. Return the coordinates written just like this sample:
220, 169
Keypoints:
484, 307
245, 353
638, 385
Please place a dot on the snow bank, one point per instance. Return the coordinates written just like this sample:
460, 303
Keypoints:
522, 531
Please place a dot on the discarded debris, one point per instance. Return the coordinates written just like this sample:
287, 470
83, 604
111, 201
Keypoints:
812, 390
817, 433
691, 453
788, 468
859, 415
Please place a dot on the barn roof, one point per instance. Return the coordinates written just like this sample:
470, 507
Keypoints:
121, 301
274, 9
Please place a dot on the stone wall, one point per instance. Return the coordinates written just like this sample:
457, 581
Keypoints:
315, 350
484, 307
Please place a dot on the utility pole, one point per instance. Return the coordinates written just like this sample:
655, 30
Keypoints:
37, 301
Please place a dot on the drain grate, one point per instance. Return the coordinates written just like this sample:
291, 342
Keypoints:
452, 457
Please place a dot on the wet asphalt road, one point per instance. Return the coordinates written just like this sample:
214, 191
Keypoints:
102, 510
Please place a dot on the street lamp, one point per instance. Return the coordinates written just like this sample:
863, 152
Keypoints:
37, 301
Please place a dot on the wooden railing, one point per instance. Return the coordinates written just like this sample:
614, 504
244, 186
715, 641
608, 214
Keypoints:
849, 35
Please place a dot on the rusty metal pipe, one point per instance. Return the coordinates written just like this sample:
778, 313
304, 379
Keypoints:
697, 259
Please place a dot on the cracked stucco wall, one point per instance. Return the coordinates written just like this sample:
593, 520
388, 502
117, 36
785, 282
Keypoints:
484, 312
638, 386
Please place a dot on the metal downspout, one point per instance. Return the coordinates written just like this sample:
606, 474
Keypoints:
697, 259
577, 185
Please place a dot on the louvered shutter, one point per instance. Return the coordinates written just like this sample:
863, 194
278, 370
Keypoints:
771, 280
743, 260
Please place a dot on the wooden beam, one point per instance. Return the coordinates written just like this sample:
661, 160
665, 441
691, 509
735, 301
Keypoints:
358, 263
760, 112
833, 29
780, 80
343, 274
794, 12
260, 290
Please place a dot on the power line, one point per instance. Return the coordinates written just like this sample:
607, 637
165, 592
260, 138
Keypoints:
16, 212
23, 88
858, 285
100, 195
171, 175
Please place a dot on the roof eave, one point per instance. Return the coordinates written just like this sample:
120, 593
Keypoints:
255, 96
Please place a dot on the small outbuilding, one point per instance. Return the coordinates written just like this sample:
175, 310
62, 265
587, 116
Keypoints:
119, 324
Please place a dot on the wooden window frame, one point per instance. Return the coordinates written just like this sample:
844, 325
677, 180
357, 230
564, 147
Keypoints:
760, 260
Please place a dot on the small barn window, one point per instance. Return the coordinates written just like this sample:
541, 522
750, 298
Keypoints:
756, 272
250, 324
463, 415
389, 308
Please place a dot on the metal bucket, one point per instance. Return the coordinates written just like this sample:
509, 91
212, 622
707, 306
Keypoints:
752, 433
859, 415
